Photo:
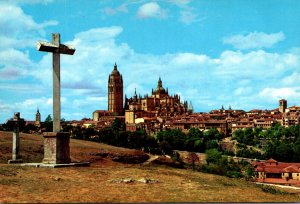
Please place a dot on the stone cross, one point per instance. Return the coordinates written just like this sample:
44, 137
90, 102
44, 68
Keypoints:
16, 139
56, 48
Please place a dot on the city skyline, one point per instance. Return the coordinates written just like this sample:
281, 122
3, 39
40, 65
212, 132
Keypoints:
245, 54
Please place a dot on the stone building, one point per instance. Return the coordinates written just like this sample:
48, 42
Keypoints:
282, 105
115, 92
272, 171
291, 116
160, 104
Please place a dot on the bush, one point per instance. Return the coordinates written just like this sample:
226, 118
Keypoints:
272, 190
234, 174
213, 156
214, 169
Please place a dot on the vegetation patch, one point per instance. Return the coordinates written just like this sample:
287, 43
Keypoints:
273, 190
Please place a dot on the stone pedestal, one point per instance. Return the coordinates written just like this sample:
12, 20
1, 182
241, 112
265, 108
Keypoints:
56, 148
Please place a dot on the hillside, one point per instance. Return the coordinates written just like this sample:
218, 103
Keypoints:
102, 181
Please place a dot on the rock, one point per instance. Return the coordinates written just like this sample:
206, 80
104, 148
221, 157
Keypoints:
129, 180
146, 180
57, 179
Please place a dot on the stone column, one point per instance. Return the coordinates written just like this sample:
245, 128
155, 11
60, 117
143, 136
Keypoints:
56, 84
16, 140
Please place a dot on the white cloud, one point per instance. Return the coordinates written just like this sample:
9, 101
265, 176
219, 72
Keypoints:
276, 94
14, 64
97, 35
292, 79
20, 29
254, 40
27, 107
151, 10
188, 16
113, 11
256, 64
20, 32
243, 91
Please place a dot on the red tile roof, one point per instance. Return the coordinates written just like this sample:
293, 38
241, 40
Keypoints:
273, 166
271, 161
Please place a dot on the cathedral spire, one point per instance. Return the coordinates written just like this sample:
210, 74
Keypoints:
116, 66
190, 107
159, 85
135, 95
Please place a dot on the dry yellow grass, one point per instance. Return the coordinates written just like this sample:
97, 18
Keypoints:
95, 183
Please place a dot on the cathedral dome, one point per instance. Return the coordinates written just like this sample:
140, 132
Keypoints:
115, 71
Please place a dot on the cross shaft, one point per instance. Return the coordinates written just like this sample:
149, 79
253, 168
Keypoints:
56, 48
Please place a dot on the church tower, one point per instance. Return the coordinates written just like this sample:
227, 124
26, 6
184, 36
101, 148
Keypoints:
38, 118
115, 91
282, 105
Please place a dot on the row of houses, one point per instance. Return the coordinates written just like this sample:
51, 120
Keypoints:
226, 121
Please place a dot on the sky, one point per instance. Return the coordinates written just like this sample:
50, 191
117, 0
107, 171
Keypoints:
239, 53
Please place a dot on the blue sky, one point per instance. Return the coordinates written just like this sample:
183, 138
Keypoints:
243, 53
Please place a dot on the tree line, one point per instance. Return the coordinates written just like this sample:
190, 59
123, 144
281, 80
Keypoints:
278, 142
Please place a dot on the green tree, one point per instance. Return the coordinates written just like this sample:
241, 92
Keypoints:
199, 146
48, 119
284, 152
175, 138
212, 134
212, 144
195, 133
165, 147
48, 124
117, 124
213, 156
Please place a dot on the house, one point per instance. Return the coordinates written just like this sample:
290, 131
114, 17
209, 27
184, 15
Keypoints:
272, 171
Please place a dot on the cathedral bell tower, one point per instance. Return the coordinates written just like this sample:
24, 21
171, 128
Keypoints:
115, 91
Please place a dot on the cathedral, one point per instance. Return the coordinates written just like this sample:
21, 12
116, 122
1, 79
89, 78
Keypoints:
138, 109
159, 102
144, 112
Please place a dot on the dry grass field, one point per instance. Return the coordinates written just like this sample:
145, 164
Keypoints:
100, 181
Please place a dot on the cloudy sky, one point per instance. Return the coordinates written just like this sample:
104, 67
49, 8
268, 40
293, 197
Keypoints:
231, 52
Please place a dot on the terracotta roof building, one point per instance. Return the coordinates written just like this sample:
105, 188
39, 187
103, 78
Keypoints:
272, 171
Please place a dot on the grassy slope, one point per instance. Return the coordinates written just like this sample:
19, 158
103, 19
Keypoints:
94, 184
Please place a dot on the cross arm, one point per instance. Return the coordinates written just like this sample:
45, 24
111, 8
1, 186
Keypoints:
49, 47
